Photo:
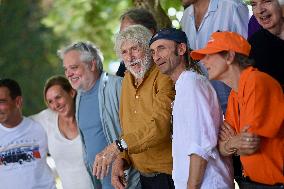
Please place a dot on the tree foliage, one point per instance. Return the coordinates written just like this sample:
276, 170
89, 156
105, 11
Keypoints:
25, 49
31, 31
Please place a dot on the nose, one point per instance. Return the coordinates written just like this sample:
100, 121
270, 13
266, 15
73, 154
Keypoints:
259, 8
128, 56
156, 57
68, 73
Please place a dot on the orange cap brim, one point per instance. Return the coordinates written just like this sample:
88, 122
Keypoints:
200, 54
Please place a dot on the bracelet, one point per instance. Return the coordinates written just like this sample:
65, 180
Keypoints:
119, 146
229, 151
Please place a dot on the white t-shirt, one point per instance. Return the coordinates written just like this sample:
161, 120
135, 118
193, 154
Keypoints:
67, 154
196, 121
23, 151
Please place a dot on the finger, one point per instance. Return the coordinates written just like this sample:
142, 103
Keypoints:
117, 183
95, 168
245, 129
98, 170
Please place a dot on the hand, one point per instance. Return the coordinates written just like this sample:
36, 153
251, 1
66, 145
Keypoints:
104, 159
246, 143
226, 132
118, 179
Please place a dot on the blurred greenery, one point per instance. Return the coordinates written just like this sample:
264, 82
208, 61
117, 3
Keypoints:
31, 31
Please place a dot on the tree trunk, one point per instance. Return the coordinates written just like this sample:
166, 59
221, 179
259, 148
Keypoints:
155, 8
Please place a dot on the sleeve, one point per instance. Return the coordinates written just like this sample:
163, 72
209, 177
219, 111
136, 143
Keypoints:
264, 105
157, 129
241, 19
202, 118
42, 117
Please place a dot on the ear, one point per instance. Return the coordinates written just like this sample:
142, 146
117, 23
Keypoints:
73, 93
230, 57
19, 102
93, 65
181, 49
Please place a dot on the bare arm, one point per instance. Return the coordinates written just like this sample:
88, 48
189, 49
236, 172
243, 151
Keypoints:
196, 171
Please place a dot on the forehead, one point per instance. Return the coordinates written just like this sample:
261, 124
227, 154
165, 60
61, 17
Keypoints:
128, 44
125, 23
4, 93
162, 42
54, 89
71, 57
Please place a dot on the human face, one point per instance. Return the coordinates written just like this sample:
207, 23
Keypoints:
10, 109
60, 100
216, 66
125, 23
79, 74
165, 55
136, 60
268, 14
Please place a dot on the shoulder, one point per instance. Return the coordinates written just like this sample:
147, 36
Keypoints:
34, 125
45, 118
261, 82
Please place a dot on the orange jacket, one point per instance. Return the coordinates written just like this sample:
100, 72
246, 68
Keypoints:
259, 103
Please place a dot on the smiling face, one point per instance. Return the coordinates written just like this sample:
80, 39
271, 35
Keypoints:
135, 58
79, 74
10, 109
60, 100
268, 14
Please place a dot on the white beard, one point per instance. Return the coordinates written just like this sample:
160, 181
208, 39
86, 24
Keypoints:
145, 63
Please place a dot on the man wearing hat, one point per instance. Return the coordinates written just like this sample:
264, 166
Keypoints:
196, 117
254, 119
145, 116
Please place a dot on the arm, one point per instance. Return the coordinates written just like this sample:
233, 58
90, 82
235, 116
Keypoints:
155, 128
196, 171
118, 179
244, 143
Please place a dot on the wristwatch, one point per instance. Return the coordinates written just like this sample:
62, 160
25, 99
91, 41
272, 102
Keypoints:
121, 145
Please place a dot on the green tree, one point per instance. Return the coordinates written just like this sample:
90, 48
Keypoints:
25, 49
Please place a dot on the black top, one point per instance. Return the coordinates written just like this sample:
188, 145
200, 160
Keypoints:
268, 52
121, 69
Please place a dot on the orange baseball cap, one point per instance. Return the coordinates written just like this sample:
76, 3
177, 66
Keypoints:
223, 41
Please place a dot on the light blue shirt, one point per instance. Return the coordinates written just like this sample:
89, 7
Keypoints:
91, 127
223, 15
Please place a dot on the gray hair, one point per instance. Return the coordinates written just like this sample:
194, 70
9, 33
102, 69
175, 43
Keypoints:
137, 34
88, 53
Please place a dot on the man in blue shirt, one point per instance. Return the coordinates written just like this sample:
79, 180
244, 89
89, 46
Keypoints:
97, 101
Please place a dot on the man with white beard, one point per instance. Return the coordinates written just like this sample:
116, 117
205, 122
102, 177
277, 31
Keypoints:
145, 117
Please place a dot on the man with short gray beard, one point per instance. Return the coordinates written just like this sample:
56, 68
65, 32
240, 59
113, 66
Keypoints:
145, 117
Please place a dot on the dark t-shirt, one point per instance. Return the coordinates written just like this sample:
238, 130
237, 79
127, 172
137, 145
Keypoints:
268, 52
121, 69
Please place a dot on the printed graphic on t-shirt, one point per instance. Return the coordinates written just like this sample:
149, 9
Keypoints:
21, 153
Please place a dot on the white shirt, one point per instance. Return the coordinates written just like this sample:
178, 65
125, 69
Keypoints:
223, 15
196, 120
67, 154
23, 151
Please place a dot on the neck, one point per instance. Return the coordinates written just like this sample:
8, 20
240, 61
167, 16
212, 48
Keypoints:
92, 81
278, 30
177, 71
232, 77
15, 122
200, 9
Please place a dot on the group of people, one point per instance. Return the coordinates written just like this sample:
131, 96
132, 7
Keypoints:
183, 105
